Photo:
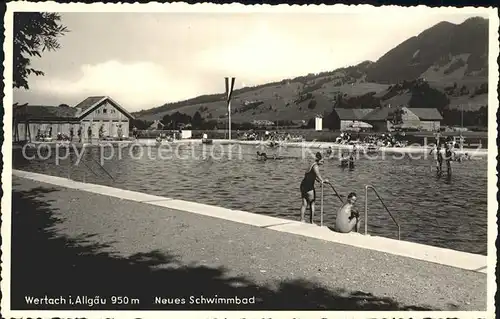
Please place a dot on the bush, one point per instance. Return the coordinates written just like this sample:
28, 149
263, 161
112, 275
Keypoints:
312, 104
482, 89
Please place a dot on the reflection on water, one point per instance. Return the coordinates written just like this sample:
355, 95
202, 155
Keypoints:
433, 210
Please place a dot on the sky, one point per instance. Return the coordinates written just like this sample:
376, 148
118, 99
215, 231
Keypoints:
143, 60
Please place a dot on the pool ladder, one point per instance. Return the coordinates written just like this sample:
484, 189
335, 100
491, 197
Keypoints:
383, 204
366, 207
85, 173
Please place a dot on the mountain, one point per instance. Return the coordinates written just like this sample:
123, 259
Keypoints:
445, 47
445, 66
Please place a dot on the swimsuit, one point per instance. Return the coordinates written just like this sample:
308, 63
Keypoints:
262, 156
307, 183
439, 156
448, 155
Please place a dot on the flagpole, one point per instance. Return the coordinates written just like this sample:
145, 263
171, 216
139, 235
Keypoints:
229, 92
229, 111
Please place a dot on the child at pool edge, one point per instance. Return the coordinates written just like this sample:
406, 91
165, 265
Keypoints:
347, 217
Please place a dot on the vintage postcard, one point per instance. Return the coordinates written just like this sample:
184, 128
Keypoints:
232, 161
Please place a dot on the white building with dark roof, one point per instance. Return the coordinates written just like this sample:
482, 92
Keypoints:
421, 119
381, 119
94, 112
344, 119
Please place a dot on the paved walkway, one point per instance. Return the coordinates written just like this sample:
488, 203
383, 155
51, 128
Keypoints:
84, 243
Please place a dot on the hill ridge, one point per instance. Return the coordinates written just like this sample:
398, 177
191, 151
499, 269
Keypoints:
451, 58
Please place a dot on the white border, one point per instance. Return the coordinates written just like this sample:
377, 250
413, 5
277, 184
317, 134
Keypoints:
206, 8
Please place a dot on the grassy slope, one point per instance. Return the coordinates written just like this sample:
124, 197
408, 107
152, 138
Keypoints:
276, 98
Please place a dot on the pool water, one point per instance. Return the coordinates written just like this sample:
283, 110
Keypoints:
438, 211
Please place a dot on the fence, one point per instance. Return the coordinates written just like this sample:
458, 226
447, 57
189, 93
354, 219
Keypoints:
471, 138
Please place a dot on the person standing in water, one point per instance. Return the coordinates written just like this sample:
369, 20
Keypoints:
439, 158
448, 155
329, 151
347, 217
307, 190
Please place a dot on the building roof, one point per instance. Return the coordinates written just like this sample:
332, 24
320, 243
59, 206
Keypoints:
352, 114
89, 102
426, 114
44, 112
380, 114
64, 113
96, 102
385, 113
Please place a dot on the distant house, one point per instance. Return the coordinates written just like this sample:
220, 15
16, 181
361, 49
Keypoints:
262, 123
94, 112
379, 119
157, 125
344, 119
423, 119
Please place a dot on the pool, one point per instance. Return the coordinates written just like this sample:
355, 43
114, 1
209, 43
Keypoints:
438, 211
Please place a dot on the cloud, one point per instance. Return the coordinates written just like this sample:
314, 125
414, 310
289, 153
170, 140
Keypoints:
134, 85
264, 54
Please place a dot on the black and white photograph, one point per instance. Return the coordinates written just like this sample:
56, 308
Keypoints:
206, 158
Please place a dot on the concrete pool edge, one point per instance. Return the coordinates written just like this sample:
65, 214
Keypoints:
443, 256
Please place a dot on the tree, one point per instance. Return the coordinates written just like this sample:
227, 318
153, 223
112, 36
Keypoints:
34, 33
139, 124
180, 119
425, 96
311, 123
197, 120
312, 104
167, 121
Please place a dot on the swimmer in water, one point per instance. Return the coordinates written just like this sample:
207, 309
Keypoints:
348, 217
347, 161
351, 160
307, 190
264, 157
329, 151
448, 154
158, 140
261, 156
439, 158
462, 157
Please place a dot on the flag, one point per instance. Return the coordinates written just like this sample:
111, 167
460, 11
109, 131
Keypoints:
229, 92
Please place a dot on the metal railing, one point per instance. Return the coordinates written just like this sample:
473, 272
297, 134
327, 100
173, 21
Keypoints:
387, 209
322, 191
321, 223
90, 169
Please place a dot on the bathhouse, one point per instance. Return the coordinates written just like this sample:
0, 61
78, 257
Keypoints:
96, 112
